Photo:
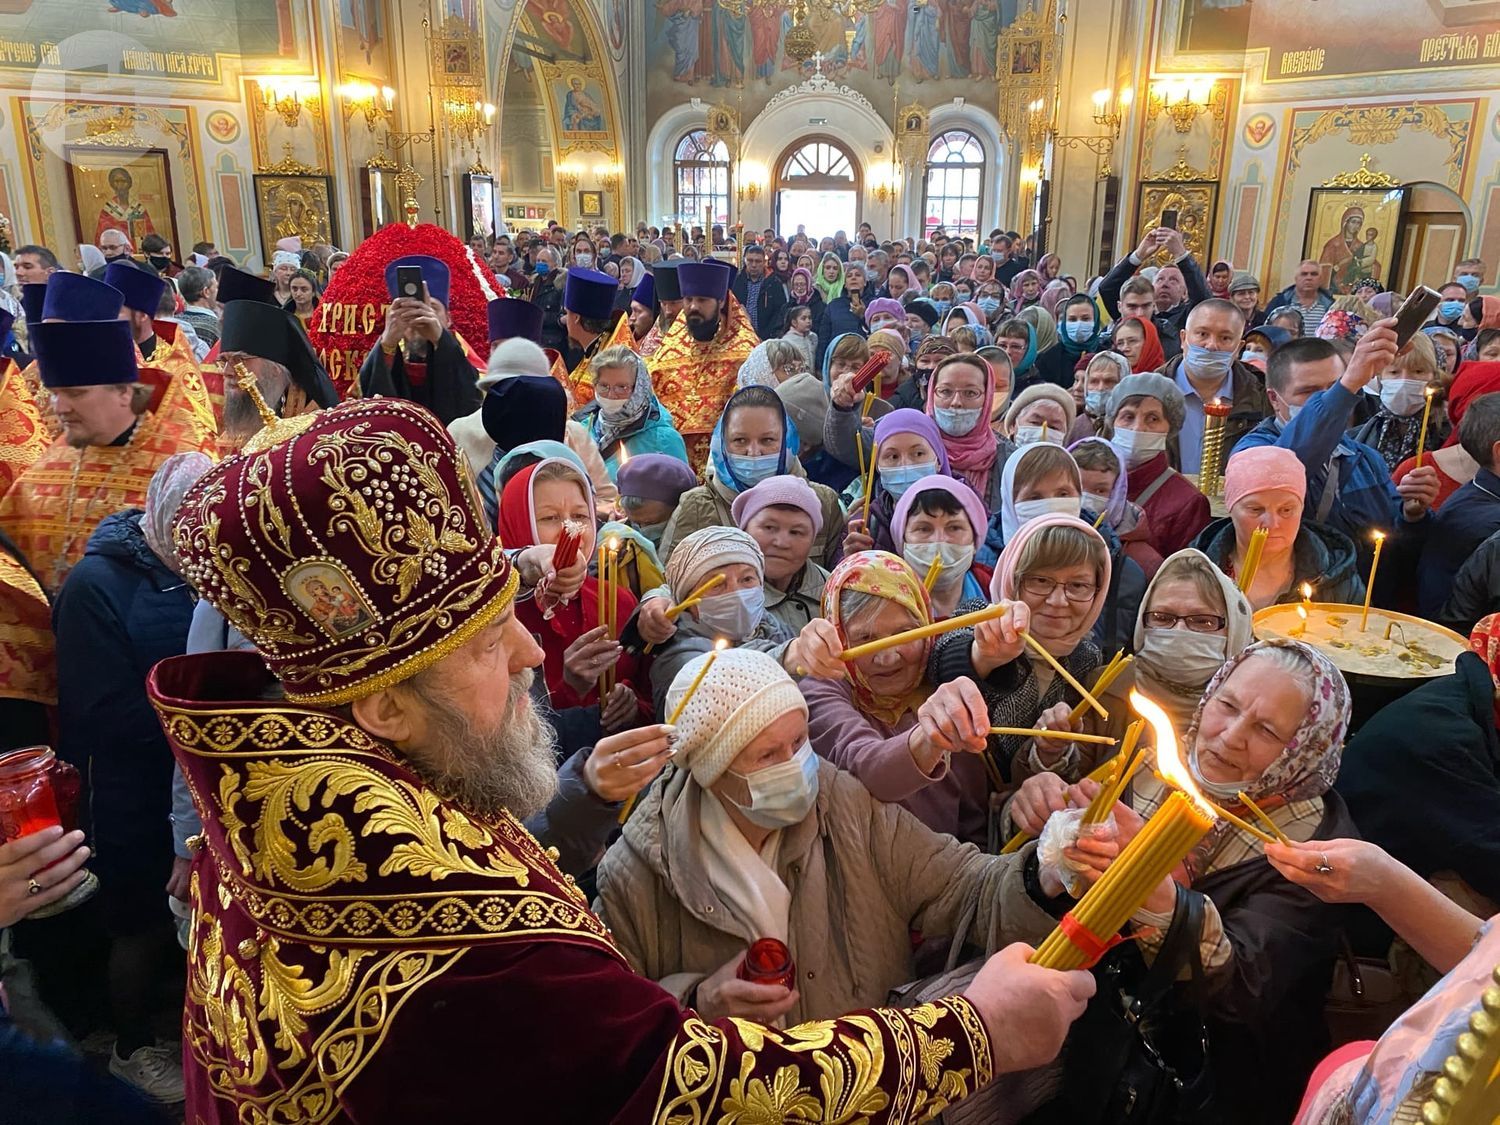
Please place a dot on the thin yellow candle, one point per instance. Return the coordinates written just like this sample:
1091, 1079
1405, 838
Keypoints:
1302, 623
1099, 519
869, 402
1068, 677
698, 679
922, 632
1127, 762
1245, 826
1183, 819
869, 482
1422, 433
696, 596
605, 599
1251, 562
1364, 616
1102, 684
934, 569
1057, 735
1260, 814
1100, 774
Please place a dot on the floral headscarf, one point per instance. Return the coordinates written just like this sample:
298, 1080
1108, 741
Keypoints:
756, 371
1310, 762
885, 576
606, 431
1340, 324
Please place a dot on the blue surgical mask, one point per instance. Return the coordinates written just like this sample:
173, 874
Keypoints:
543, 267
989, 305
782, 795
1079, 330
899, 478
1294, 409
1450, 310
1469, 281
1206, 361
1096, 402
962, 297
752, 470
941, 306
734, 615
956, 423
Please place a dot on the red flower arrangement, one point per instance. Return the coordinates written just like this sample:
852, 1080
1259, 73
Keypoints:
351, 316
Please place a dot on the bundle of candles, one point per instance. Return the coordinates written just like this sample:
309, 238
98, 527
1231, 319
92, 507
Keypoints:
1253, 552
609, 585
1088, 930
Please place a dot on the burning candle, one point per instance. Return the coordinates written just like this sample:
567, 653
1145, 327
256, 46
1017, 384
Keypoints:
1422, 433
1301, 624
1364, 616
1214, 414
1182, 820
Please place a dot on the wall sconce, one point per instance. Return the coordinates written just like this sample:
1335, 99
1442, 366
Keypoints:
286, 96
1031, 175
375, 102
1109, 108
468, 119
749, 179
884, 182
609, 176
1183, 101
567, 176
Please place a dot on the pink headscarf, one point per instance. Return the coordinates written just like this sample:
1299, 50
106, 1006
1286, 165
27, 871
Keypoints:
1056, 293
1003, 584
971, 456
807, 273
913, 286
1019, 280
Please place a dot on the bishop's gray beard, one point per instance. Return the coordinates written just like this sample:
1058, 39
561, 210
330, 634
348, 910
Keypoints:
511, 768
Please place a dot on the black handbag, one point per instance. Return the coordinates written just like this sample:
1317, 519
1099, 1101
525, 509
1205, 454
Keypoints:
1139, 1053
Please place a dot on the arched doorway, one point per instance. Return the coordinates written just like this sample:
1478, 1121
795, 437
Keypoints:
817, 186
1435, 233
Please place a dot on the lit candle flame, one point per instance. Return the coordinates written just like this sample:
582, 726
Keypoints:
1306, 591
1379, 536
1169, 761
721, 644
624, 454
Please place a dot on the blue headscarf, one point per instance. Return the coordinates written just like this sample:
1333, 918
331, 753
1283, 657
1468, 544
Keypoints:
1028, 361
828, 358
790, 441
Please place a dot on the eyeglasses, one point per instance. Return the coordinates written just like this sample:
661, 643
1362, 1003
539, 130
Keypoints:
1040, 586
1197, 622
950, 395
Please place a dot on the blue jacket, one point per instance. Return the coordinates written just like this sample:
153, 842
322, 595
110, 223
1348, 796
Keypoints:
653, 432
119, 612
1468, 517
1366, 497
1322, 557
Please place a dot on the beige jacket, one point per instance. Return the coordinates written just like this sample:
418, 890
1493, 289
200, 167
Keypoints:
708, 506
863, 875
469, 435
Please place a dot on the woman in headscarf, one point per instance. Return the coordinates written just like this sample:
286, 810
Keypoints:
829, 281
1265, 487
1056, 572
906, 446
1079, 337
1041, 412
1455, 468
1137, 339
1395, 429
1055, 294
803, 292
1448, 346
1049, 268
536, 504
1091, 388
1220, 274
939, 519
1046, 327
783, 515
959, 398
1025, 289
902, 280
872, 723
1271, 725
632, 269
753, 836
733, 613
626, 418
1018, 339
752, 440
90, 258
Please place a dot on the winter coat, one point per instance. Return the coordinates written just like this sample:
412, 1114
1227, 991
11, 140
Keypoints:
119, 612
1177, 510
1475, 591
1321, 557
1396, 783
794, 608
1057, 366
652, 432
862, 874
770, 313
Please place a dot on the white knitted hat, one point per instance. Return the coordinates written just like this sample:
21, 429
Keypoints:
744, 693
516, 356
704, 551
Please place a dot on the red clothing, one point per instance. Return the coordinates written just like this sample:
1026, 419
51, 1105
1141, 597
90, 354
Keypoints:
1177, 510
567, 624
1447, 486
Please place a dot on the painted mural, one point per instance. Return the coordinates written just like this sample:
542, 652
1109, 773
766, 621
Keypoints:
698, 45
179, 40
1300, 40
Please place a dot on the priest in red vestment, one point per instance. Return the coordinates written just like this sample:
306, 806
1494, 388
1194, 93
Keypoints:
375, 936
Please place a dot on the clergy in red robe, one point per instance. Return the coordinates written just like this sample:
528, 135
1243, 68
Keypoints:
376, 937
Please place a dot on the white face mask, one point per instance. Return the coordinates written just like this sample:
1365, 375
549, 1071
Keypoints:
1180, 656
1223, 790
584, 259
734, 615
956, 560
1026, 435
612, 407
1138, 446
1095, 503
783, 794
1403, 397
1028, 510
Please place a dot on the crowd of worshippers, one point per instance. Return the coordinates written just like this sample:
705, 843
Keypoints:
1028, 440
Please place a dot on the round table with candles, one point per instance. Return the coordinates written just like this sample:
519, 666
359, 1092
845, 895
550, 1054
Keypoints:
1383, 654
